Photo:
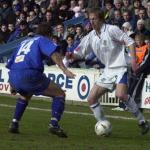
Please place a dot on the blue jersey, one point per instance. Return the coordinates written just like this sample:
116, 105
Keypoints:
31, 53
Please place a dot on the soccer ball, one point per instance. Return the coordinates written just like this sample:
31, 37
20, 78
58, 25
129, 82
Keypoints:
103, 128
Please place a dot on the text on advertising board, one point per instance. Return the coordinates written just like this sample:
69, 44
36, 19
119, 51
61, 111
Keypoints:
147, 86
1, 79
147, 101
61, 80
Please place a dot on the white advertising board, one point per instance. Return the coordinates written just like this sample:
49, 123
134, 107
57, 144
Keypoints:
76, 89
4, 85
146, 94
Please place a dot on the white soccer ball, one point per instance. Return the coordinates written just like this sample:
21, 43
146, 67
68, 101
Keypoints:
103, 128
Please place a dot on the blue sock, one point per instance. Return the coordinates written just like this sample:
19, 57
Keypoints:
20, 108
57, 110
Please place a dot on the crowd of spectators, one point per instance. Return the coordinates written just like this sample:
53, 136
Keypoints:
19, 18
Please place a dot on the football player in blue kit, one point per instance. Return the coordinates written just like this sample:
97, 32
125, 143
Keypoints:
26, 77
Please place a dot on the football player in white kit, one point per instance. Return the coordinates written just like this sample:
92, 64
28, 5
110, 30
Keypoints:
108, 43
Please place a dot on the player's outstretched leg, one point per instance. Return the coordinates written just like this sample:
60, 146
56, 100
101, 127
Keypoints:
144, 127
57, 111
21, 105
133, 108
98, 111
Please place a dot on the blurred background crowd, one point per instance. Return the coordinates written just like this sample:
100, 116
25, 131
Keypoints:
19, 18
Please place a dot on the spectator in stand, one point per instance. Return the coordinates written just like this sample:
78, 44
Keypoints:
135, 16
108, 10
137, 4
26, 8
43, 11
33, 20
141, 47
6, 12
73, 3
136, 12
61, 31
72, 44
4, 32
44, 3
53, 7
94, 3
117, 5
82, 4
147, 21
63, 13
144, 2
127, 28
80, 9
71, 29
16, 5
36, 9
23, 16
126, 6
28, 3
55, 39
126, 16
117, 20
11, 27
79, 32
62, 34
147, 5
141, 28
77, 12
20, 31
142, 13
49, 18
24, 29
17, 10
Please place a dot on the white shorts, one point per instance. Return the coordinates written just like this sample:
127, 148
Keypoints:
110, 77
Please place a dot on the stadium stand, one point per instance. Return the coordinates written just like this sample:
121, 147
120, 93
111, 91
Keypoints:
27, 14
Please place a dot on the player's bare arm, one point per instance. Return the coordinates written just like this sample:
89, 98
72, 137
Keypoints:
133, 58
56, 57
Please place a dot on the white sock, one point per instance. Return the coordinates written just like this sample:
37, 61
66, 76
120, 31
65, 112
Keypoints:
133, 108
97, 111
14, 120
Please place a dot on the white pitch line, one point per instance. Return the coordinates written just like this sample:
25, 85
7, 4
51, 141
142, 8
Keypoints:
70, 112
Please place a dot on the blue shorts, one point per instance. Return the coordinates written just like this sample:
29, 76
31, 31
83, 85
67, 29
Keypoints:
124, 79
28, 81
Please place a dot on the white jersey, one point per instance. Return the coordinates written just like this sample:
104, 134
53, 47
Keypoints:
108, 46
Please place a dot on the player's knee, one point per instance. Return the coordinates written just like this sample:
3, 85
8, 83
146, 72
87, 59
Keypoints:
121, 96
62, 94
26, 98
92, 100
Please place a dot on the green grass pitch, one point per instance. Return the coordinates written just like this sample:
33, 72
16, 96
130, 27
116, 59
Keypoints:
80, 128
